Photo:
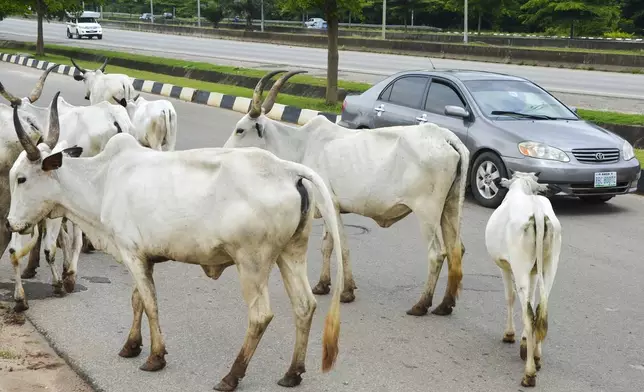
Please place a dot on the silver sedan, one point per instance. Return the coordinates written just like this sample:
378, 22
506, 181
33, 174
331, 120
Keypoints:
508, 123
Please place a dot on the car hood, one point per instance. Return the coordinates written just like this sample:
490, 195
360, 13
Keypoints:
561, 134
89, 25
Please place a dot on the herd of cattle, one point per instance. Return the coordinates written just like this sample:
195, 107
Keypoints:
107, 176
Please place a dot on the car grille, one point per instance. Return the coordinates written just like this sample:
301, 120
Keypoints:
596, 155
588, 189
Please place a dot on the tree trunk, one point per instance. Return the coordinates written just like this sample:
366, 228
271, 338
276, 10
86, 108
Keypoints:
480, 17
572, 29
332, 55
40, 43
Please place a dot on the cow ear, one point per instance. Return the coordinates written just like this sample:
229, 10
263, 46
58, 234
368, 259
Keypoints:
79, 78
52, 162
74, 151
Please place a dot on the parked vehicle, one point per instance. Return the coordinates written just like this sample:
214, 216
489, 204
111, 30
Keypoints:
168, 15
316, 23
507, 122
146, 16
85, 25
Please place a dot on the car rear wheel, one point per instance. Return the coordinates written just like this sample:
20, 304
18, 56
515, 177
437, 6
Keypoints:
485, 178
595, 199
69, 35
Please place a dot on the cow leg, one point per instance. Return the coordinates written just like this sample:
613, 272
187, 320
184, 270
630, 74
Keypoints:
450, 223
322, 288
292, 265
510, 296
436, 258
34, 259
132, 347
521, 272
142, 274
254, 281
51, 237
69, 272
524, 342
19, 292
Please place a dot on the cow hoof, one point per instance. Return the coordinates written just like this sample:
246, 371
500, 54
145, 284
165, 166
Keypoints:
537, 363
69, 282
417, 310
20, 306
321, 289
153, 364
28, 273
290, 380
224, 386
442, 310
347, 297
529, 381
130, 350
508, 338
523, 351
58, 290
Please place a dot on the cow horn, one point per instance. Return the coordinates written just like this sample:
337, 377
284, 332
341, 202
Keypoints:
37, 91
81, 69
102, 68
54, 123
270, 98
33, 153
15, 101
256, 107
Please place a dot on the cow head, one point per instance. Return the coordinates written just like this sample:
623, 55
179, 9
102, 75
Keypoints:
249, 131
88, 77
525, 181
35, 93
32, 180
133, 105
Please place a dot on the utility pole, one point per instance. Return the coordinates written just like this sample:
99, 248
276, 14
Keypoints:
384, 17
262, 24
465, 23
412, 18
152, 11
198, 13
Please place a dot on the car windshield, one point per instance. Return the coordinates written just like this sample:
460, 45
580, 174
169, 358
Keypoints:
516, 99
86, 20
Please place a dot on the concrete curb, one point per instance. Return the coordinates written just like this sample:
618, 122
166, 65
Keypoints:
280, 112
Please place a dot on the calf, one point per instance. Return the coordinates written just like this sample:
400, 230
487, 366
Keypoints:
213, 207
154, 123
523, 237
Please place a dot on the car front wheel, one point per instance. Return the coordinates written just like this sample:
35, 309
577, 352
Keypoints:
485, 178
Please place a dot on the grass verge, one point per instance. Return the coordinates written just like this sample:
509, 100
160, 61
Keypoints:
639, 154
601, 117
194, 65
285, 99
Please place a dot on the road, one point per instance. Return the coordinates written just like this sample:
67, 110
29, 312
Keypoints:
587, 89
596, 318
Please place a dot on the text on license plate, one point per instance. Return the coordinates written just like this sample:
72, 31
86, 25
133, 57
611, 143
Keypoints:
605, 179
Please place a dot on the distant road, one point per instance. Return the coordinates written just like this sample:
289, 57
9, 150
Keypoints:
369, 67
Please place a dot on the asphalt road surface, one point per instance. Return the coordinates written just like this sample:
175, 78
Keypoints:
596, 318
587, 89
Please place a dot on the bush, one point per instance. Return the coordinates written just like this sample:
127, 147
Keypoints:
618, 34
213, 13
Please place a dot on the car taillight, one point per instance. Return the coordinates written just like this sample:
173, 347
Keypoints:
344, 105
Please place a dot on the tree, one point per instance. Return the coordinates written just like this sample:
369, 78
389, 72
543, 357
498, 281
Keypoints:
213, 13
567, 12
332, 9
10, 7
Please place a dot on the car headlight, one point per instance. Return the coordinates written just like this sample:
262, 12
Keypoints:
542, 151
627, 151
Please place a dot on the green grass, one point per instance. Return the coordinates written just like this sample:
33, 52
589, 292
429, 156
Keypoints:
602, 117
258, 73
4, 354
285, 99
639, 154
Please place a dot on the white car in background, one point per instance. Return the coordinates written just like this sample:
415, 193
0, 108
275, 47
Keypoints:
85, 25
315, 23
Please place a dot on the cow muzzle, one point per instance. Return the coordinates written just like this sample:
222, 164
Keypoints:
23, 229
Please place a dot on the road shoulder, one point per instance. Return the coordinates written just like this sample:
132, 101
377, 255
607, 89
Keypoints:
27, 361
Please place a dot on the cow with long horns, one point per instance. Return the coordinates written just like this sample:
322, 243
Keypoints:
383, 174
118, 201
99, 86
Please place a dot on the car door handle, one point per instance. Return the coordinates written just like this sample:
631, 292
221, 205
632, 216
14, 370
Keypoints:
422, 118
379, 109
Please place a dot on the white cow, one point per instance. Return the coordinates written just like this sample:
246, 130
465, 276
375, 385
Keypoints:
99, 86
155, 122
212, 207
523, 237
384, 174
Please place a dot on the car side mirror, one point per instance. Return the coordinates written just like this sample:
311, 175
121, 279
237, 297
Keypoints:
456, 111
573, 109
